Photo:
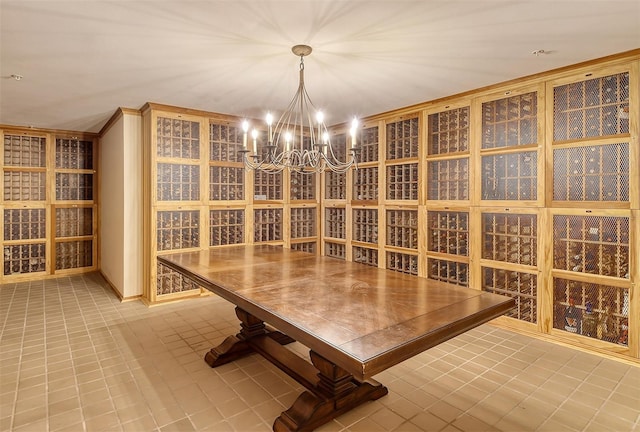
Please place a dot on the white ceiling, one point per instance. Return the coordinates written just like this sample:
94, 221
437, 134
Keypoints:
81, 60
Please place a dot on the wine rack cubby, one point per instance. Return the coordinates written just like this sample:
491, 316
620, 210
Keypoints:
178, 182
519, 285
74, 254
225, 143
402, 262
303, 186
335, 250
335, 185
170, 281
74, 153
267, 225
402, 228
591, 173
226, 183
365, 255
177, 138
309, 247
178, 229
365, 184
74, 221
452, 272
23, 224
267, 186
74, 187
402, 182
591, 244
448, 179
402, 139
24, 258
336, 223
368, 145
25, 150
226, 227
510, 238
24, 185
510, 121
365, 225
449, 131
591, 108
511, 176
303, 222
593, 310
448, 232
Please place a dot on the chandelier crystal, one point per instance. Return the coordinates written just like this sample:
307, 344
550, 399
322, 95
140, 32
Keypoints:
299, 140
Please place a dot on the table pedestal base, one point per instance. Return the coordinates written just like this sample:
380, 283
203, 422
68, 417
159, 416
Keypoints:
331, 391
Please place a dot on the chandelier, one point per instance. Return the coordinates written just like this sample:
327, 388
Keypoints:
299, 140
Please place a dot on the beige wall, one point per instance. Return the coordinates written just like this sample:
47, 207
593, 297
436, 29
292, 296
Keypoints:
121, 204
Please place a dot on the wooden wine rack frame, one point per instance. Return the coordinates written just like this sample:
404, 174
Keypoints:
48, 203
496, 167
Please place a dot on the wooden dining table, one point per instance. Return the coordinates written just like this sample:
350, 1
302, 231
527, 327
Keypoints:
356, 320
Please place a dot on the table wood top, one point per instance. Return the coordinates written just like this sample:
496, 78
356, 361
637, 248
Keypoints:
363, 318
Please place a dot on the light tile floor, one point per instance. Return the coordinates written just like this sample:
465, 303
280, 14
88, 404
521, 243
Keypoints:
73, 358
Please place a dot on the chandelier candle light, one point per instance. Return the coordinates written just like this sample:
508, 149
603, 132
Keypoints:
297, 141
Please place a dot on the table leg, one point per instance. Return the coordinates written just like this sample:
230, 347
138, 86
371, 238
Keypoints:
235, 347
335, 393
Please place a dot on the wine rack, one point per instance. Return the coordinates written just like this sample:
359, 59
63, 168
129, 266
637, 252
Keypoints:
593, 310
449, 131
225, 143
24, 186
303, 186
452, 272
510, 238
402, 228
303, 222
336, 223
23, 224
368, 145
226, 183
591, 108
267, 186
448, 179
25, 151
226, 227
511, 176
591, 244
519, 285
591, 173
365, 255
178, 229
335, 185
365, 225
74, 187
170, 281
365, 184
402, 182
178, 182
309, 247
402, 262
74, 221
176, 138
402, 139
267, 225
74, 254
339, 146
335, 250
448, 232
24, 258
74, 153
510, 121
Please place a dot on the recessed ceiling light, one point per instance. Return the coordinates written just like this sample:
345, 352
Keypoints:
16, 77
537, 52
